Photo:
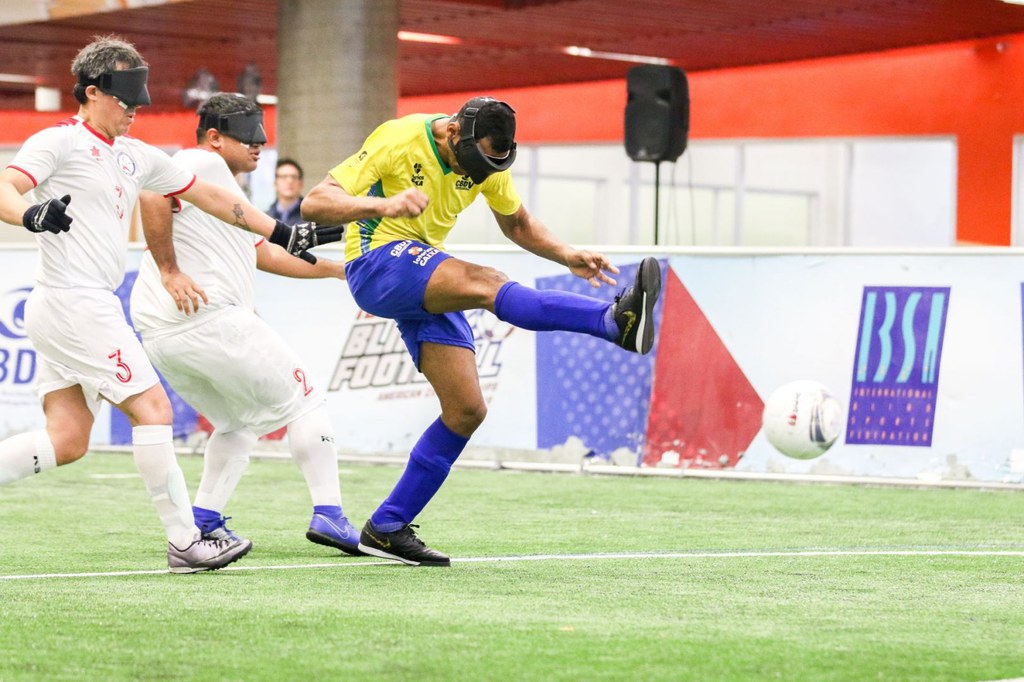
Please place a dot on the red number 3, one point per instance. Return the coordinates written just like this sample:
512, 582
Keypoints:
124, 372
300, 377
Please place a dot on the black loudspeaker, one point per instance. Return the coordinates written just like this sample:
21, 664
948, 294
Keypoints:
657, 113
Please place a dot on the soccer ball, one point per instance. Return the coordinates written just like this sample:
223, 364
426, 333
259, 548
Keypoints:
801, 419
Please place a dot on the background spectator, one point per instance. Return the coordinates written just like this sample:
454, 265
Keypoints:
288, 188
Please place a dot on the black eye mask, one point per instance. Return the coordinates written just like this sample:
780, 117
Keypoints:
247, 128
128, 85
471, 157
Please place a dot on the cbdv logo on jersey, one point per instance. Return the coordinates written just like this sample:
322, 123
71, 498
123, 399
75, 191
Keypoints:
896, 367
17, 358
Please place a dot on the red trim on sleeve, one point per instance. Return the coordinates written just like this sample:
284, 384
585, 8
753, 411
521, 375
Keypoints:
260, 242
108, 140
34, 183
183, 189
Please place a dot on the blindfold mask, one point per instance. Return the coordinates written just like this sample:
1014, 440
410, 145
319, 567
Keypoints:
246, 127
468, 153
127, 85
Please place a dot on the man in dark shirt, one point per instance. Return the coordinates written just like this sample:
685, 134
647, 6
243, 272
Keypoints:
288, 188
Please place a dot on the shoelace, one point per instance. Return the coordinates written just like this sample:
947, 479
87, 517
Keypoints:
219, 544
412, 534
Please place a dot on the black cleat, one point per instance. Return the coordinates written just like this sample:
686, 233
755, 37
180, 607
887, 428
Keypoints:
633, 309
401, 545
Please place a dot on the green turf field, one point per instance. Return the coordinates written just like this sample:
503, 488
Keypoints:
744, 581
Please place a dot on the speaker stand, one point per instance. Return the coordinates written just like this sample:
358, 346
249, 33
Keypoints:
657, 191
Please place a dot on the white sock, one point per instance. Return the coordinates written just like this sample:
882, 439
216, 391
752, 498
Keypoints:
311, 441
24, 455
225, 460
154, 458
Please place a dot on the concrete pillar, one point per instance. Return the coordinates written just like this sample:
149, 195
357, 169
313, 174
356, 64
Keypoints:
337, 77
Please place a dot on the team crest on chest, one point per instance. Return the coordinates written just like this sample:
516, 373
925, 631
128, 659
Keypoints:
464, 183
417, 174
126, 164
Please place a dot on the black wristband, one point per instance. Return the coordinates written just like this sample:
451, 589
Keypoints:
282, 235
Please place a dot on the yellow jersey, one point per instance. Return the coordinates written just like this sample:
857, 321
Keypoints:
400, 154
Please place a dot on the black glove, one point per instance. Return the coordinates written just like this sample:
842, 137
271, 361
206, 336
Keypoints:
297, 239
49, 216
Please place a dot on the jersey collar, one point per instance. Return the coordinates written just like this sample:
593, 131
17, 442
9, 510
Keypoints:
108, 140
429, 124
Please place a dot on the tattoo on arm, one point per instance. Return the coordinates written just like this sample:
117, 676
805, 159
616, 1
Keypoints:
240, 218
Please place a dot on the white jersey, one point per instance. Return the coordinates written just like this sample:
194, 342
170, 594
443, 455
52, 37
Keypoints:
220, 258
103, 177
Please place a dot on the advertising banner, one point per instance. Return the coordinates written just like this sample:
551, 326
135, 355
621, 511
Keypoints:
19, 404
923, 351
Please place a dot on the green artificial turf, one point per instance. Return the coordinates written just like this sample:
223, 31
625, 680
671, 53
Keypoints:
725, 593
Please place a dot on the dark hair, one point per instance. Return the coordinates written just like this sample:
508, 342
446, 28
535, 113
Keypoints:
495, 120
102, 55
223, 104
288, 162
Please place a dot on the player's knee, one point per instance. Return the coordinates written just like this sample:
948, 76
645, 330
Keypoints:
151, 408
488, 281
69, 447
467, 418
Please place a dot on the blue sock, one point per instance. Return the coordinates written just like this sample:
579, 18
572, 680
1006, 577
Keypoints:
329, 510
544, 310
431, 460
206, 519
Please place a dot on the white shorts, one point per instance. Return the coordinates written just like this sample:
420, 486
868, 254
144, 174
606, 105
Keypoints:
236, 371
82, 338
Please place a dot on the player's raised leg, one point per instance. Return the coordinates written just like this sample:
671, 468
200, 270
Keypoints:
628, 321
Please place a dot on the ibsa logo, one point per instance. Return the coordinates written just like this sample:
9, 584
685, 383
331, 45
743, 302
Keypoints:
374, 355
17, 357
894, 391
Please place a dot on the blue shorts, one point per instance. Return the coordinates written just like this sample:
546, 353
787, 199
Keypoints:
390, 282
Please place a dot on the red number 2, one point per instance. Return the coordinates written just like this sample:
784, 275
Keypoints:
300, 377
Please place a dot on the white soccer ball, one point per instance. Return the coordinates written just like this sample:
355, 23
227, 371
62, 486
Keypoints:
802, 419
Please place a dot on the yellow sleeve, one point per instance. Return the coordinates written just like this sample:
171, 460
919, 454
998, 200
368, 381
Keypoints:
500, 194
360, 172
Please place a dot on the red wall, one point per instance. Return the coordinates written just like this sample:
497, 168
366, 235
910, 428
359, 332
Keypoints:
973, 90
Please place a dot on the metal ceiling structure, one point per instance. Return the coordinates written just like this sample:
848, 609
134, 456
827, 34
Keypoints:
502, 43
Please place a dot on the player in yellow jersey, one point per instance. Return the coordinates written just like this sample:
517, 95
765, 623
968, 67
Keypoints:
402, 192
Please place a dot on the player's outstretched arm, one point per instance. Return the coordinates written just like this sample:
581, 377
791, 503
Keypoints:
329, 202
49, 215
157, 227
229, 207
530, 233
237, 211
275, 260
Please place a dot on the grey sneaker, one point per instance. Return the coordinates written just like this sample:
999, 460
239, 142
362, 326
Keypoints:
223, 533
206, 555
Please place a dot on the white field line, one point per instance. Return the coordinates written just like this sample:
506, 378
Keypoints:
568, 557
